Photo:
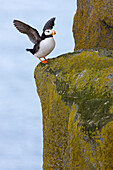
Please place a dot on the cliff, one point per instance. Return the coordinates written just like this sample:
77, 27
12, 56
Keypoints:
93, 24
76, 93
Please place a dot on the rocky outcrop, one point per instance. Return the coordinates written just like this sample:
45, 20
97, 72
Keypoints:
93, 24
76, 93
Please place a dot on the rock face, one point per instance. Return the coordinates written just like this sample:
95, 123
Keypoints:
76, 93
93, 24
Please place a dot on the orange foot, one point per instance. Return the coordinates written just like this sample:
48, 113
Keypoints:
43, 61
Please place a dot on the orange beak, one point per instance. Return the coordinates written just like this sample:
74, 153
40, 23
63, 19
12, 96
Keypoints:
53, 32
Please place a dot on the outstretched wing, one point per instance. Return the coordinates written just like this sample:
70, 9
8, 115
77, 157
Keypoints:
26, 29
49, 24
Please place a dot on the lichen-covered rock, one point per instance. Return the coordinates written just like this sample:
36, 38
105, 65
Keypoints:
93, 24
76, 93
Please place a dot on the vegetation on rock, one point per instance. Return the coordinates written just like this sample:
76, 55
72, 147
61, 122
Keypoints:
76, 93
93, 24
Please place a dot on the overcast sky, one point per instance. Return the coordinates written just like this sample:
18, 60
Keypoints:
20, 108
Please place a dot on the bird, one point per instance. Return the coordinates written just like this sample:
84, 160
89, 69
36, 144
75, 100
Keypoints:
43, 44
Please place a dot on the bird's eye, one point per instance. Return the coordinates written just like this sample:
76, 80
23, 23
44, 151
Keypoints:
48, 31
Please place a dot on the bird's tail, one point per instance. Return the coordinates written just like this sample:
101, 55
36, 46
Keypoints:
30, 50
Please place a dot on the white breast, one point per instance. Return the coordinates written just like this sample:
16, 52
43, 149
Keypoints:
46, 46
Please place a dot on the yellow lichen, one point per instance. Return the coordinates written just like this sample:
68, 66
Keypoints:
93, 24
75, 90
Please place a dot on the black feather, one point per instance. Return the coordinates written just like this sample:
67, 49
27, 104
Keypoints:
30, 50
49, 24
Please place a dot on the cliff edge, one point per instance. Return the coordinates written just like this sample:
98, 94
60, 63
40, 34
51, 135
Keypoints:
76, 93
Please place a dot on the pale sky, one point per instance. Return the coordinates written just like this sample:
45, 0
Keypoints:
20, 108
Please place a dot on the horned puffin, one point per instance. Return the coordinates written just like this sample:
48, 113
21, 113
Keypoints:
44, 44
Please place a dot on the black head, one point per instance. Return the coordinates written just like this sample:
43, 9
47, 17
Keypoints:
48, 33
47, 30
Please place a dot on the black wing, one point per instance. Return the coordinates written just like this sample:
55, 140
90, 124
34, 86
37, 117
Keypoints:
26, 29
49, 24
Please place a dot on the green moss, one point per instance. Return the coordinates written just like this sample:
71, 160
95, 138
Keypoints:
76, 93
88, 153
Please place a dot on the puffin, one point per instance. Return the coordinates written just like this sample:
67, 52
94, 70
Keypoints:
43, 44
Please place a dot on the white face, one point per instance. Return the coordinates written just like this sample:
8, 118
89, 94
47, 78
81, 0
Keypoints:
48, 32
